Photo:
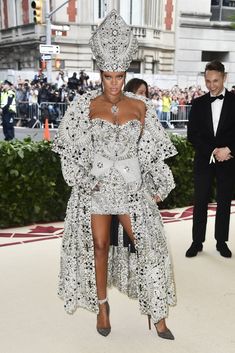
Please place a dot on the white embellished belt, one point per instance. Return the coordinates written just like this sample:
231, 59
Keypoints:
129, 168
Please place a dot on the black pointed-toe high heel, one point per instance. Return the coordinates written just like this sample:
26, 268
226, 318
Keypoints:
168, 335
104, 331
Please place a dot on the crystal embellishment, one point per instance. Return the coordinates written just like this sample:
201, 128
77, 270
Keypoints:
113, 44
114, 109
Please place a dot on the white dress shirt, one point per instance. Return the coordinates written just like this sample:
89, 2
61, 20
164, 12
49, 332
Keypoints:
216, 108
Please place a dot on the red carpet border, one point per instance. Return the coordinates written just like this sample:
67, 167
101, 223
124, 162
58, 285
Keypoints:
33, 233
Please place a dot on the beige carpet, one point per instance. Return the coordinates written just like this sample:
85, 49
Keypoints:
32, 318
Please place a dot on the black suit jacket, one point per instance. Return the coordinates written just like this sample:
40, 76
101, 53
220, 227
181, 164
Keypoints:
200, 129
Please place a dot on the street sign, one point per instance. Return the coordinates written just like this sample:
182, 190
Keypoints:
49, 49
60, 28
46, 57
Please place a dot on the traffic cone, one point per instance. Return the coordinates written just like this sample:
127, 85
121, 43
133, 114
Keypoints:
46, 134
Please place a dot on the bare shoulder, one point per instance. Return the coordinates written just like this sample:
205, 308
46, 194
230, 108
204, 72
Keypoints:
95, 105
139, 104
95, 100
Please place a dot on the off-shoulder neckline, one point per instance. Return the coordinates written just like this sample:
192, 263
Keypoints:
112, 124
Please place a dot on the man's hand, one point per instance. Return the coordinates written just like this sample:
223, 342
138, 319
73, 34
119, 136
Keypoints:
222, 154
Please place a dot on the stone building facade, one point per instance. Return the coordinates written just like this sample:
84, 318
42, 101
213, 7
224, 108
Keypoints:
176, 37
204, 33
152, 21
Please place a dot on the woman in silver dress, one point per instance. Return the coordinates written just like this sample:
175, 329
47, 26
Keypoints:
112, 151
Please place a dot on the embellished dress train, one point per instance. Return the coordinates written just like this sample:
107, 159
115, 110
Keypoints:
115, 169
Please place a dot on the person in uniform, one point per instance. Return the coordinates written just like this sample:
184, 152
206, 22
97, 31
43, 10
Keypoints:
8, 110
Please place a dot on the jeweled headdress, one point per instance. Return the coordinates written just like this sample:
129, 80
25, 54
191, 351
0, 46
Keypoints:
113, 44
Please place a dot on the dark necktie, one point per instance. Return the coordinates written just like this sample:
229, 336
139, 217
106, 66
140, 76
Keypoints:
212, 99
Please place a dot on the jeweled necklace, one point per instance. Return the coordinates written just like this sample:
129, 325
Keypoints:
115, 110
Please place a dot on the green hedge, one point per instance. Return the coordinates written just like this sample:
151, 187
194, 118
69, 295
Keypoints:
182, 169
31, 184
32, 188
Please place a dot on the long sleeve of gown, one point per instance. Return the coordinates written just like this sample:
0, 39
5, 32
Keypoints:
160, 180
73, 143
154, 147
75, 174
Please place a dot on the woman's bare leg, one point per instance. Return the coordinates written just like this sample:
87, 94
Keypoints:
100, 225
126, 223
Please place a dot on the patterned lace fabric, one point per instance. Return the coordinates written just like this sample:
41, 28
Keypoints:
147, 273
116, 143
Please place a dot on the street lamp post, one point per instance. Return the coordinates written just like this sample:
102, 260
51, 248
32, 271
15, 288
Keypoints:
48, 39
48, 33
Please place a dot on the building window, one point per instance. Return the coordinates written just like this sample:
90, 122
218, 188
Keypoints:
208, 56
134, 67
222, 10
159, 14
11, 9
18, 65
19, 13
228, 3
95, 67
100, 8
131, 11
155, 67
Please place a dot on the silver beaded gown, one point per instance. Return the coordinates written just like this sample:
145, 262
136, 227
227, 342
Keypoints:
116, 143
97, 162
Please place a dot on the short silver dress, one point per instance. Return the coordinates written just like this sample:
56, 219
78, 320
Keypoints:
115, 148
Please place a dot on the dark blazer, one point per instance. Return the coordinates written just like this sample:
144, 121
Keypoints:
200, 129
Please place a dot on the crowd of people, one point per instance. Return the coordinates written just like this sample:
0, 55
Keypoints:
37, 99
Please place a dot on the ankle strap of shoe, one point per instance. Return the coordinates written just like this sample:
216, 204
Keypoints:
102, 301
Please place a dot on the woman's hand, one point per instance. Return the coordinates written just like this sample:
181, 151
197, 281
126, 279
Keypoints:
157, 198
96, 187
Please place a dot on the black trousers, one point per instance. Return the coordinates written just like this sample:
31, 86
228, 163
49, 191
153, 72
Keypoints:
8, 125
224, 175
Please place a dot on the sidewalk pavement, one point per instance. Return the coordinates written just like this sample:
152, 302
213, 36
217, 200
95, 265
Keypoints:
33, 319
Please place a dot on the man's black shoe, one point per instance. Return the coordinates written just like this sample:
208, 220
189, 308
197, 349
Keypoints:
224, 250
194, 249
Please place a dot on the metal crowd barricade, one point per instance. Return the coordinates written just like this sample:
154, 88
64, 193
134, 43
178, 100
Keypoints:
180, 118
27, 114
53, 111
33, 114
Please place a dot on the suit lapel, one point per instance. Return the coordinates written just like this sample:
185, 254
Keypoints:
223, 113
208, 113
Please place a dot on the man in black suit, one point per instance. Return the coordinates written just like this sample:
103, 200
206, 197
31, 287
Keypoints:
211, 130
